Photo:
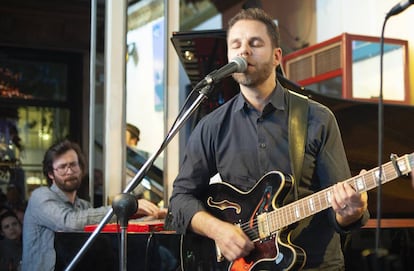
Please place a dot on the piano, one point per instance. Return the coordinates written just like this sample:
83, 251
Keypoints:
152, 251
200, 52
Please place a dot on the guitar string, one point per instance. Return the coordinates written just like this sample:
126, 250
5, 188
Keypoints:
290, 211
324, 198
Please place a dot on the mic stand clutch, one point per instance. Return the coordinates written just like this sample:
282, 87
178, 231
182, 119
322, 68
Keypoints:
203, 94
124, 206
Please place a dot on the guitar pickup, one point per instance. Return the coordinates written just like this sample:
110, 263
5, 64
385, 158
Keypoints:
263, 226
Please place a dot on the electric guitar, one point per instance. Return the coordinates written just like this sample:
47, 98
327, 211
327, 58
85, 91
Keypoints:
259, 214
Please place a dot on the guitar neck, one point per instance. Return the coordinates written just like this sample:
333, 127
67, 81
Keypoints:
279, 218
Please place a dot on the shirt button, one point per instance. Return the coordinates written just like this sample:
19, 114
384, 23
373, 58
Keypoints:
262, 145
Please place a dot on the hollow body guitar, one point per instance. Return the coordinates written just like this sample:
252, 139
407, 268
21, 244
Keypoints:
260, 214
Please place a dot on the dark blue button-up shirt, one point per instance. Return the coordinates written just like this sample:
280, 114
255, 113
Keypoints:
241, 144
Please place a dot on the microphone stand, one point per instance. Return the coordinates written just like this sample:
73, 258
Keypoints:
203, 94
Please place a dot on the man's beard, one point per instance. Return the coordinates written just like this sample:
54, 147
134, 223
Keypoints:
260, 75
69, 184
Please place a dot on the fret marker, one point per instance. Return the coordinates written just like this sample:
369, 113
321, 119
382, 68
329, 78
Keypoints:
360, 184
402, 166
377, 178
311, 205
329, 196
297, 212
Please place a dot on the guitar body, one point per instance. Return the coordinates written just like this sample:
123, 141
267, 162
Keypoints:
261, 215
272, 252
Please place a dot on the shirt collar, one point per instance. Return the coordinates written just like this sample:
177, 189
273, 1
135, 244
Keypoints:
277, 99
60, 193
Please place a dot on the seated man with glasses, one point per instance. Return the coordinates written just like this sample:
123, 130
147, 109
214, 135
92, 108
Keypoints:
58, 208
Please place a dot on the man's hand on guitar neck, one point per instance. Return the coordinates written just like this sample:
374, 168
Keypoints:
231, 241
348, 204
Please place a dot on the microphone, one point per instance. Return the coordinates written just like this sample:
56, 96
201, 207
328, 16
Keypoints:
400, 7
237, 64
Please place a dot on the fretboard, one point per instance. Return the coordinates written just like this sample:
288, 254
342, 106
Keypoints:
305, 207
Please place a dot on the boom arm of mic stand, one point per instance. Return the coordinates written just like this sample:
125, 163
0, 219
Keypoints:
204, 92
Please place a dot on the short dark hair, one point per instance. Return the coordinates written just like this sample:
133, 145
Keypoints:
58, 149
8, 213
260, 15
133, 130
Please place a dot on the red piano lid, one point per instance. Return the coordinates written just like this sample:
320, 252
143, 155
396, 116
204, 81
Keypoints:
148, 226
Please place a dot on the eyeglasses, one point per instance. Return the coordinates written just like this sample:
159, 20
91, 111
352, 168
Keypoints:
63, 168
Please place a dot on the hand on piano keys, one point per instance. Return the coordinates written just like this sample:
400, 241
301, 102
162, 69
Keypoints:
147, 208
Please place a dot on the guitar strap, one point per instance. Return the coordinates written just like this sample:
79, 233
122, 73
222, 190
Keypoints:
298, 122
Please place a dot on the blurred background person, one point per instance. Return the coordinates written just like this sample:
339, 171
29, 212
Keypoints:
132, 138
11, 244
132, 135
150, 187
